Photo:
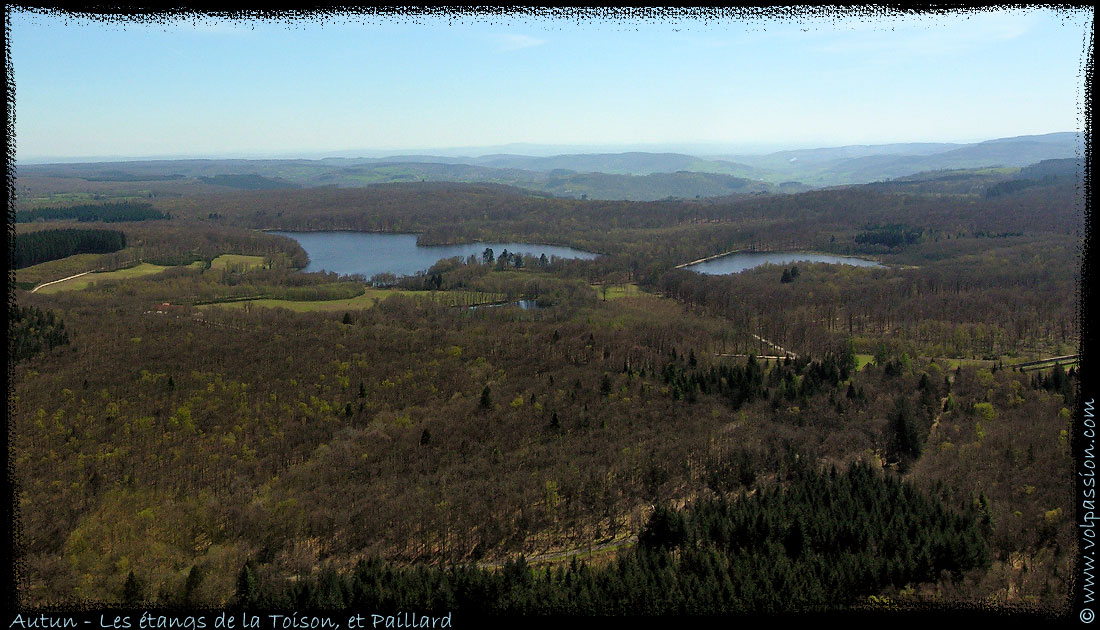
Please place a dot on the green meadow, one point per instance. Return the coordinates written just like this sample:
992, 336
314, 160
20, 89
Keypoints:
83, 282
368, 299
237, 262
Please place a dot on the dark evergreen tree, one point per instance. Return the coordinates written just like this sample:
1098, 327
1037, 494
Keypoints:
605, 385
248, 585
191, 585
132, 591
486, 401
905, 441
665, 528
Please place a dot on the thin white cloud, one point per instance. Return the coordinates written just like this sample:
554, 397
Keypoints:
508, 43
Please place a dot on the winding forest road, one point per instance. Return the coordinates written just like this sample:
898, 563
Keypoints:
46, 284
775, 345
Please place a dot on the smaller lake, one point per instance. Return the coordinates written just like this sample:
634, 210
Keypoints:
369, 253
736, 263
526, 305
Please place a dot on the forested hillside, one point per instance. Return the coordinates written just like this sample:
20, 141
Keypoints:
217, 427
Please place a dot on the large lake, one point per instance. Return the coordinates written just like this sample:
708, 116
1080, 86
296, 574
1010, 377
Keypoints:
368, 253
736, 263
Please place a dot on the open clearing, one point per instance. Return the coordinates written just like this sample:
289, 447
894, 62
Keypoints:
955, 363
82, 282
61, 268
616, 291
367, 300
237, 262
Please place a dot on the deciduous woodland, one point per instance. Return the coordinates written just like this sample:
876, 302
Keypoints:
206, 424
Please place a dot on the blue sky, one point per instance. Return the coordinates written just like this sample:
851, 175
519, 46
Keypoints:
212, 87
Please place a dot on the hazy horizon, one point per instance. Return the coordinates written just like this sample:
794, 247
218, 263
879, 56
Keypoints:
202, 87
517, 148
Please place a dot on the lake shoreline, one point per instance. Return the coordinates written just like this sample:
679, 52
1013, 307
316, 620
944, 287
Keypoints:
837, 259
351, 252
418, 234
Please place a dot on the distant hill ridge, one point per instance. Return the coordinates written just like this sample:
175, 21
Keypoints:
869, 163
635, 175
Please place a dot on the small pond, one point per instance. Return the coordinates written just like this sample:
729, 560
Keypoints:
526, 305
740, 261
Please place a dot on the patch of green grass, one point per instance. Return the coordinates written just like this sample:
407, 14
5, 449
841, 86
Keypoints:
55, 199
237, 262
863, 359
460, 298
955, 363
367, 300
595, 557
996, 170
83, 282
60, 268
617, 291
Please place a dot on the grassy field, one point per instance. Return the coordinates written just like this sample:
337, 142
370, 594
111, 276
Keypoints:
461, 298
955, 363
144, 269
237, 262
864, 359
367, 300
61, 268
56, 199
601, 554
616, 291
996, 170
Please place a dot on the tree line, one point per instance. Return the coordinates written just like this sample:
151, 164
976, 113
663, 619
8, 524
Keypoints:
32, 248
105, 212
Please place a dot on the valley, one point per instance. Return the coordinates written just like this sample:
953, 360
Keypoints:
216, 412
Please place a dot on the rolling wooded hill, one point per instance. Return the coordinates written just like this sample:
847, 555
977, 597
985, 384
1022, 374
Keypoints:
209, 429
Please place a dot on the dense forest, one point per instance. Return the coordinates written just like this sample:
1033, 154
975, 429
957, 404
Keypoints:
31, 330
218, 427
246, 182
45, 245
106, 213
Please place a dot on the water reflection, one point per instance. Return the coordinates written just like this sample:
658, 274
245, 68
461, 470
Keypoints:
369, 253
740, 261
